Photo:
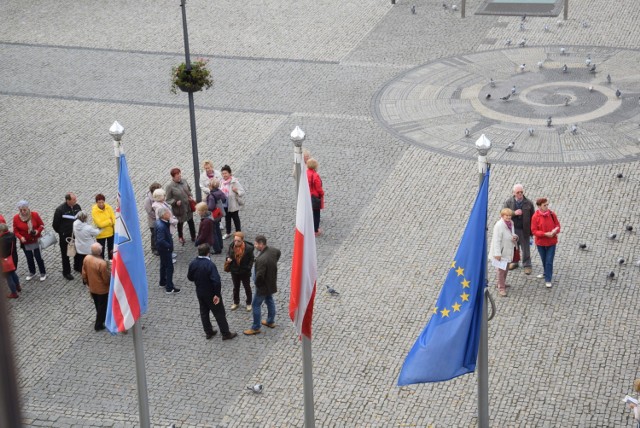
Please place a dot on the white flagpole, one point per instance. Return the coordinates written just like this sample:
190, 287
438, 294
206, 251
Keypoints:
117, 131
297, 136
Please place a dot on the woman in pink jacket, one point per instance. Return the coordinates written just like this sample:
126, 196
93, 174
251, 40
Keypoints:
545, 227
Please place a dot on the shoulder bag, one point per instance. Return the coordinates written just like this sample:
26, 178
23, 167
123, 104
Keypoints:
71, 246
7, 262
47, 239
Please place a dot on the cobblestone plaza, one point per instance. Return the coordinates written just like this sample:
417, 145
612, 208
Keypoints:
384, 97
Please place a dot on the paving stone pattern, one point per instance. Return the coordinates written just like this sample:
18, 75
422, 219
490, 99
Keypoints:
394, 209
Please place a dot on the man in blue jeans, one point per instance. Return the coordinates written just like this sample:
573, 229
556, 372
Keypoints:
266, 280
164, 245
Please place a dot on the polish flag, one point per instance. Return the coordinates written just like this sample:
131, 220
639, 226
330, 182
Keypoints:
304, 267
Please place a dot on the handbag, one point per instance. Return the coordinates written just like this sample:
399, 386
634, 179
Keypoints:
7, 262
227, 265
47, 239
192, 204
218, 211
71, 246
516, 255
315, 203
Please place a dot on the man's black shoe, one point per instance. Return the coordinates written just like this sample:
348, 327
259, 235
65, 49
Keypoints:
68, 276
229, 336
213, 333
173, 291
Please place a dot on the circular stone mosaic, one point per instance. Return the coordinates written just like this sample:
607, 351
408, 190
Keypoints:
556, 115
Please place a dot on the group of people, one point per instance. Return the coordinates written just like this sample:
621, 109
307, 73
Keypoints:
90, 244
510, 242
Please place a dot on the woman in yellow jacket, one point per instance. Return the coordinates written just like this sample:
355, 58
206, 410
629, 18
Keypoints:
105, 219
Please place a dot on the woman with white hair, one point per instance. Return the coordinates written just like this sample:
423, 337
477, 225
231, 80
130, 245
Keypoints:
84, 235
159, 201
208, 174
28, 227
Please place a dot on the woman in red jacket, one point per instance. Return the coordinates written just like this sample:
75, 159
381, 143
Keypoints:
545, 228
28, 226
317, 193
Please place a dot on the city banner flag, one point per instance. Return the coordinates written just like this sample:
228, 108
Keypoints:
304, 267
448, 345
128, 290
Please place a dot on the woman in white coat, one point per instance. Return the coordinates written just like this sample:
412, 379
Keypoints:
84, 235
503, 243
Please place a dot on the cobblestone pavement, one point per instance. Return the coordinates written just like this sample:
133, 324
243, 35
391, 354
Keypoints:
560, 357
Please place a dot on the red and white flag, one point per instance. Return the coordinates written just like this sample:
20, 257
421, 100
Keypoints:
304, 267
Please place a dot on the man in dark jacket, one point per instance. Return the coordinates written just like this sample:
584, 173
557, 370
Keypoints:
63, 220
522, 212
204, 273
266, 280
164, 245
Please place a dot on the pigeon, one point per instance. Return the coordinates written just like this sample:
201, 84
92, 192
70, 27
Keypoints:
530, 132
540, 64
629, 228
492, 83
546, 27
567, 100
510, 146
618, 93
413, 9
612, 274
522, 67
585, 24
592, 69
522, 26
332, 291
583, 246
257, 388
454, 7
590, 88
444, 6
522, 43
620, 261
506, 97
563, 51
524, 17
619, 175
513, 90
488, 96
549, 121
608, 78
508, 42
466, 132
565, 69
574, 129
612, 236
588, 61
560, 23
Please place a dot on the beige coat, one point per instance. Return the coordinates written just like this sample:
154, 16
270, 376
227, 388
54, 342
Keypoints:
501, 242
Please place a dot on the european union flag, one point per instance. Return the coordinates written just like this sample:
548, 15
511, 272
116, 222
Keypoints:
448, 345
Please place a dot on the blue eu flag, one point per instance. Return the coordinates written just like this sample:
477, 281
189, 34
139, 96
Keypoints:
448, 345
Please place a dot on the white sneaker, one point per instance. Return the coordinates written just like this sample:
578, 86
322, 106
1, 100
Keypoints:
249, 308
225, 236
30, 276
174, 261
234, 307
548, 284
43, 277
541, 276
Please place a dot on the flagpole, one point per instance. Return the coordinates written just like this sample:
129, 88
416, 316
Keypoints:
117, 131
483, 145
297, 137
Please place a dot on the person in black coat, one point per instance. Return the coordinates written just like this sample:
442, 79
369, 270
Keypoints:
63, 220
203, 272
164, 245
8, 249
240, 259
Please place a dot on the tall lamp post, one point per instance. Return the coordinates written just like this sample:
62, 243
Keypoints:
297, 137
192, 111
483, 145
117, 132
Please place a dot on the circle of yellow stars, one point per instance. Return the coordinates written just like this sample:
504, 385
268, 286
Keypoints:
464, 297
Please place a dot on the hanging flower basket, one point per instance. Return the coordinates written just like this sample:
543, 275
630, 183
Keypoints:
193, 80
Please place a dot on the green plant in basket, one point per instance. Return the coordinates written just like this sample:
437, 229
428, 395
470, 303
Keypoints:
191, 80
